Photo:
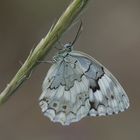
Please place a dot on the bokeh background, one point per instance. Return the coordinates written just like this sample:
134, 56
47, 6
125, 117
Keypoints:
111, 34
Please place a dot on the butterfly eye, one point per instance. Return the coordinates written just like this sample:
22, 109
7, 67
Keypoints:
68, 47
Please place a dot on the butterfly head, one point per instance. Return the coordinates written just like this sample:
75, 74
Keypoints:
68, 47
63, 53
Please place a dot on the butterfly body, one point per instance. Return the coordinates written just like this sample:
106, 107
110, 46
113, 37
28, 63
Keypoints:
77, 86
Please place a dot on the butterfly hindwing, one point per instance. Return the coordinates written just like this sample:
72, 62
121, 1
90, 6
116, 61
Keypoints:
65, 96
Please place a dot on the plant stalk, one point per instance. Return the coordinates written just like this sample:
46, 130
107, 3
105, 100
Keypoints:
43, 48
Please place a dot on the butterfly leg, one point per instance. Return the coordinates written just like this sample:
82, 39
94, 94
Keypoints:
30, 74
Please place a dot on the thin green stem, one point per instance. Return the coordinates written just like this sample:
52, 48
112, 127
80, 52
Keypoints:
42, 49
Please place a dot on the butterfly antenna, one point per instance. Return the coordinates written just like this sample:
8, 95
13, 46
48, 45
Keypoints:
78, 33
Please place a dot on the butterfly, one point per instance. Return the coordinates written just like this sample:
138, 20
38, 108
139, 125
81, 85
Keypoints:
77, 86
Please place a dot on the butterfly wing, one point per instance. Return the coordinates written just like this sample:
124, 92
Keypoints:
80, 86
65, 96
106, 95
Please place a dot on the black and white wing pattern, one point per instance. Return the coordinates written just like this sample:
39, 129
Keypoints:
106, 95
65, 96
80, 86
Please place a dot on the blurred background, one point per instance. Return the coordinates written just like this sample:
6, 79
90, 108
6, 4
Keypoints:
111, 35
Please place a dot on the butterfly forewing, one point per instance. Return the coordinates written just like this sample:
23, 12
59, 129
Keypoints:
107, 96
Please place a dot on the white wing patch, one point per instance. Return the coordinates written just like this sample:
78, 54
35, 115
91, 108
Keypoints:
80, 86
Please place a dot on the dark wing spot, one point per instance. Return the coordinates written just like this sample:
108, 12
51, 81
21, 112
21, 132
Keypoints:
54, 104
92, 105
64, 107
112, 97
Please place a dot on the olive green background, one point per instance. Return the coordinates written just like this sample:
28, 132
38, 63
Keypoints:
111, 35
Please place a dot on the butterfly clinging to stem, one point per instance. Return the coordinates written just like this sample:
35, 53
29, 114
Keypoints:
77, 86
